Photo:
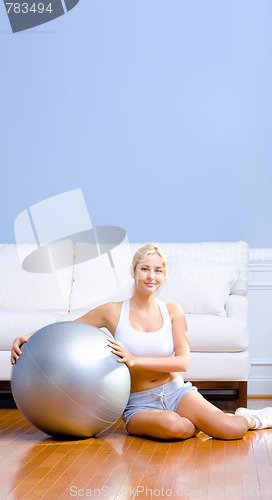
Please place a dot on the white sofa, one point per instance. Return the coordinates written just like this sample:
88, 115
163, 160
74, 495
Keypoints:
209, 280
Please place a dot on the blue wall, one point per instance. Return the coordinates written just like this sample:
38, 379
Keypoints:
159, 110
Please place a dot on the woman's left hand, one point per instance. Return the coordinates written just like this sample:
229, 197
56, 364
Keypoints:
120, 350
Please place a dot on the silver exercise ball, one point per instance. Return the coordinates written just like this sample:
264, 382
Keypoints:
68, 382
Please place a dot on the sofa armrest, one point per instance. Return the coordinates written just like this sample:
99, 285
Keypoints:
237, 307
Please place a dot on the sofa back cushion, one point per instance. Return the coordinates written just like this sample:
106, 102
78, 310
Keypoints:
101, 279
21, 290
235, 254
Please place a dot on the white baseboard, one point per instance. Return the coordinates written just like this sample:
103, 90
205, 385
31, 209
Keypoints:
260, 380
259, 387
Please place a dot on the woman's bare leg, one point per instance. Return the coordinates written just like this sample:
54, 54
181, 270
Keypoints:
161, 424
211, 420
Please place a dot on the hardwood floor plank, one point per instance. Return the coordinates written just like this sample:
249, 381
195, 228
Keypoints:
216, 472
263, 463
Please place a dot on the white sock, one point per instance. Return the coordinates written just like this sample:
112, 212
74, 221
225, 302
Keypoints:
257, 421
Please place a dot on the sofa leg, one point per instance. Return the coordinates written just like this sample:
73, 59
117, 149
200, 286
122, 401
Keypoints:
242, 394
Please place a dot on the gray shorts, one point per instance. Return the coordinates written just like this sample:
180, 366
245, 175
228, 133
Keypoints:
163, 397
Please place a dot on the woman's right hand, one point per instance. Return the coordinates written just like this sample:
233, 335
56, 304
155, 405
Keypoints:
16, 348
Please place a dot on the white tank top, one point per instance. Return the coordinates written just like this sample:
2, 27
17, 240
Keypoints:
158, 343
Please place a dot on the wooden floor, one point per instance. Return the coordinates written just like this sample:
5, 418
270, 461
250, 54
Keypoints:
118, 466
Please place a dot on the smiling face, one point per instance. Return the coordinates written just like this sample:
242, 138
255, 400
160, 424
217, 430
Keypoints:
149, 273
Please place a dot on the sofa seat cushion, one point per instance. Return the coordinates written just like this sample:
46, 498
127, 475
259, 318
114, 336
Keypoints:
15, 323
213, 366
5, 366
211, 333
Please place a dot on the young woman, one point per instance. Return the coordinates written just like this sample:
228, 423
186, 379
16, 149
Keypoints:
151, 338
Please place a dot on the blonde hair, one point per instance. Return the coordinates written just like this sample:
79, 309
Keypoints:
150, 248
